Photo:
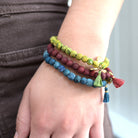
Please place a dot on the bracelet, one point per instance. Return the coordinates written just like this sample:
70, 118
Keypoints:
69, 74
74, 54
106, 74
100, 74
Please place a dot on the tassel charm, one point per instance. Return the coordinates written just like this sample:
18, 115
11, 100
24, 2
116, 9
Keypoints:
106, 95
98, 80
117, 82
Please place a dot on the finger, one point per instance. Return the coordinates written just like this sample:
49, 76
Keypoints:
83, 133
23, 117
35, 134
96, 131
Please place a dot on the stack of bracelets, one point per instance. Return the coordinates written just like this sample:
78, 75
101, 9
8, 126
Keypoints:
97, 76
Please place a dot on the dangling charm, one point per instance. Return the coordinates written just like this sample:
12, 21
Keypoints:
106, 95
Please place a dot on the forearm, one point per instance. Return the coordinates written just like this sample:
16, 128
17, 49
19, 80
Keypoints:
88, 25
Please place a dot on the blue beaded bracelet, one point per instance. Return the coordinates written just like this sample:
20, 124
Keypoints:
68, 73
76, 78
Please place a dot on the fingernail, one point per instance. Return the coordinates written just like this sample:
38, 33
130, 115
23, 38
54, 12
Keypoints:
16, 135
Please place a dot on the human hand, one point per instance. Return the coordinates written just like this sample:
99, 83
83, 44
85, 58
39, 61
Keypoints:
53, 106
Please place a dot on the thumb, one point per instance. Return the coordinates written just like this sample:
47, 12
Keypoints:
96, 131
23, 117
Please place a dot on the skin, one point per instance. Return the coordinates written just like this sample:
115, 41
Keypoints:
53, 106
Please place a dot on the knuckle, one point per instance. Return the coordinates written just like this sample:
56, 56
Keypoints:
68, 125
42, 125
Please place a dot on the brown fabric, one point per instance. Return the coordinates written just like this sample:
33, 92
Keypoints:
25, 28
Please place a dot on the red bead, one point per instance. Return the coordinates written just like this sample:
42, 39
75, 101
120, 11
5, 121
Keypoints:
49, 46
86, 72
64, 60
69, 63
59, 56
92, 72
108, 69
103, 75
75, 66
81, 69
54, 53
50, 50
95, 74
108, 75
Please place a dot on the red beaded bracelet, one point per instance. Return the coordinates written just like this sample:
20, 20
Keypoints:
106, 74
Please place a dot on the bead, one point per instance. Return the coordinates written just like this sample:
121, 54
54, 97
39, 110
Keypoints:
79, 56
59, 56
52, 61
89, 61
59, 45
103, 75
108, 75
45, 54
61, 68
83, 80
49, 46
64, 60
77, 79
69, 63
50, 50
95, 64
66, 72
71, 76
95, 74
86, 72
63, 48
104, 83
73, 53
84, 58
89, 82
81, 69
54, 52
68, 51
56, 65
106, 89
75, 66
92, 72
47, 59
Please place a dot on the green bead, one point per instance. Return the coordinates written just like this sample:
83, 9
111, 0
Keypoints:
63, 48
73, 53
68, 51
79, 56
84, 58
59, 45
52, 38
89, 61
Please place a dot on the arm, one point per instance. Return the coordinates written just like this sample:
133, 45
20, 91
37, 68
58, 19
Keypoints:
51, 104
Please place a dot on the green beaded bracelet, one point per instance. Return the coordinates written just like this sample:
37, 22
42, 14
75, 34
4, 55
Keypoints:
78, 56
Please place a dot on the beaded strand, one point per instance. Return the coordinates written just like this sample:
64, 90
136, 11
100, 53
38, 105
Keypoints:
71, 76
78, 56
80, 69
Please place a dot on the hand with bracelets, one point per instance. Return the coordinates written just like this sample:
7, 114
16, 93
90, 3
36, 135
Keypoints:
66, 99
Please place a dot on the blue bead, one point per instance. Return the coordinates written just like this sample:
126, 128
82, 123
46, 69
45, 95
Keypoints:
52, 61
89, 82
104, 83
71, 76
66, 72
106, 89
77, 79
61, 68
47, 59
56, 65
83, 80
45, 54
